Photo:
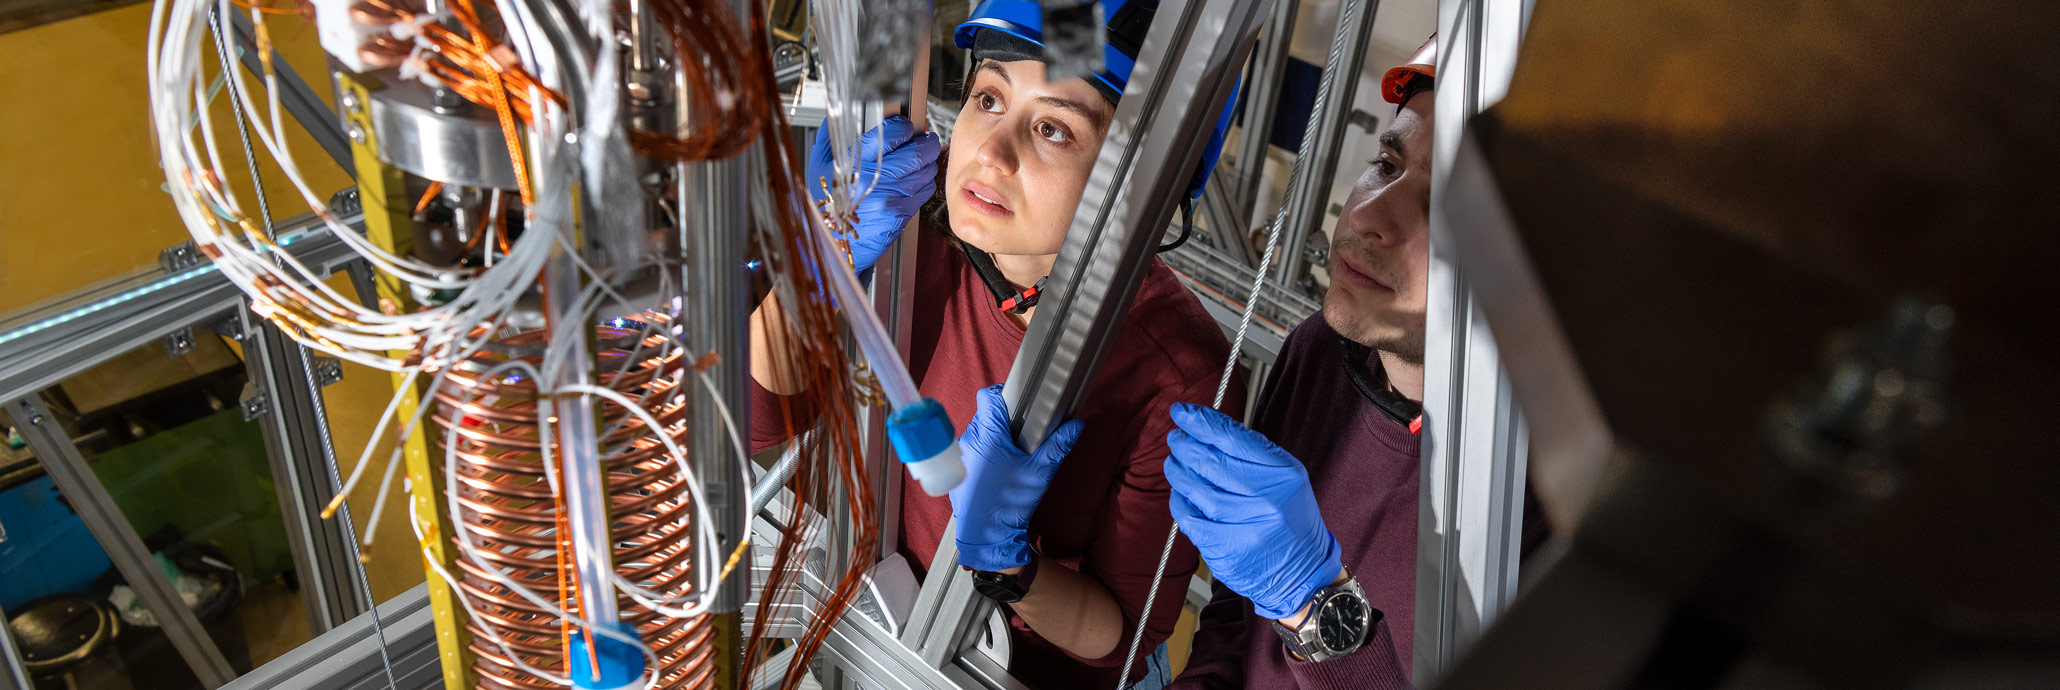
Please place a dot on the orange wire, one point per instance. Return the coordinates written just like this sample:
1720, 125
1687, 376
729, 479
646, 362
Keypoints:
423, 205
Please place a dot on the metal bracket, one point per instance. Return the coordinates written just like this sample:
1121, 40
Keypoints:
179, 342
253, 402
328, 371
229, 326
178, 257
345, 201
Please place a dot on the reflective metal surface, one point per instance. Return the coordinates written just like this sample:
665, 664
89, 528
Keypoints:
457, 144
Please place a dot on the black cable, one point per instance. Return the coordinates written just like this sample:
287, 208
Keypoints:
1187, 226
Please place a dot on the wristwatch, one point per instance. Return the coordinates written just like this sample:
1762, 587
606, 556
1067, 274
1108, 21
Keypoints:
1004, 587
1339, 622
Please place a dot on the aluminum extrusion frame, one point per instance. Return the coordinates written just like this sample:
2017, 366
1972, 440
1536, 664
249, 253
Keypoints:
1475, 450
46, 346
299, 99
303, 461
348, 657
95, 507
1262, 104
1309, 204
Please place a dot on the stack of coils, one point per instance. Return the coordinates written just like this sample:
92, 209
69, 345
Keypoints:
511, 512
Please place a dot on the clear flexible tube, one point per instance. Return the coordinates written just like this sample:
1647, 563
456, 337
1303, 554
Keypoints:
865, 324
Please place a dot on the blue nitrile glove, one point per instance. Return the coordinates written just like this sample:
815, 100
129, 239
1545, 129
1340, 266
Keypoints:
1003, 485
1247, 506
901, 181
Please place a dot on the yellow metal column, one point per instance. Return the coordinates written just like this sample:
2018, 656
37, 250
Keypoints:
381, 192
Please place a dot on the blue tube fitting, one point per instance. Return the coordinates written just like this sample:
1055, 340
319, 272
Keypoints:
923, 438
621, 663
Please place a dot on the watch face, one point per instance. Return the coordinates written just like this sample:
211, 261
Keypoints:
1341, 624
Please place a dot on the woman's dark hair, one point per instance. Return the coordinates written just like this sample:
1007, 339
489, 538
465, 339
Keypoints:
935, 213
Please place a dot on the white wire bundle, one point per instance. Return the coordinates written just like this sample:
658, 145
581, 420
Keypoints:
435, 339
281, 288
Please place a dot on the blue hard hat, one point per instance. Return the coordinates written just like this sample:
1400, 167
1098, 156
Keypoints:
1127, 22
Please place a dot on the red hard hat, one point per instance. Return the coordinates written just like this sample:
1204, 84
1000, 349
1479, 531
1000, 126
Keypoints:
1422, 64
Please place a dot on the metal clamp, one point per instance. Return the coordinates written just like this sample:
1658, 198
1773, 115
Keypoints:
328, 371
253, 402
179, 342
178, 257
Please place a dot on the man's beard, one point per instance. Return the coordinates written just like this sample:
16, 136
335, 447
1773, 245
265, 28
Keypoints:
1364, 325
1404, 341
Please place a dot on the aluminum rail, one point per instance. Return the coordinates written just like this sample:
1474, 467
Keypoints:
41, 347
14, 675
348, 656
299, 99
96, 508
1308, 205
1262, 104
1477, 442
1184, 74
295, 425
718, 299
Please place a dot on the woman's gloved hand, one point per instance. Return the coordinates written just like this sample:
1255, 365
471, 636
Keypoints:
901, 180
1003, 485
1247, 506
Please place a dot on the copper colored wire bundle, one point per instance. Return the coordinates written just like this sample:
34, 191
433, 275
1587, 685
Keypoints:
834, 398
715, 60
510, 511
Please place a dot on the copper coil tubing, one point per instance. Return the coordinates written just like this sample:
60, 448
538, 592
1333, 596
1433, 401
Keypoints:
506, 507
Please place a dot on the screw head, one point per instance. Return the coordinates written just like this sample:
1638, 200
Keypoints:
350, 101
357, 134
36, 420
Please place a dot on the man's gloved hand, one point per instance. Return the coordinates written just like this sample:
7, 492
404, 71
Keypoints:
1003, 485
901, 181
1247, 506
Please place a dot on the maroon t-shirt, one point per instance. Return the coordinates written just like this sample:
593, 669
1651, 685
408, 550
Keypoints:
1105, 513
1364, 469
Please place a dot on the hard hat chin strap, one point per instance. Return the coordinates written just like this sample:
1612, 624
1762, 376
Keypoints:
1006, 296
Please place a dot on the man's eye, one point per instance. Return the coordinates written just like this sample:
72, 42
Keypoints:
1382, 166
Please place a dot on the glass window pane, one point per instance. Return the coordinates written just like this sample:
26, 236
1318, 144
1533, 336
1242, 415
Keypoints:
82, 156
164, 435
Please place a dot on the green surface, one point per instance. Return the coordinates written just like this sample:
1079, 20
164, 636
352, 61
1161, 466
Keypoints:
212, 481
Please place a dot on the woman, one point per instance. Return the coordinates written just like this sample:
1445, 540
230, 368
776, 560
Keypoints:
1070, 547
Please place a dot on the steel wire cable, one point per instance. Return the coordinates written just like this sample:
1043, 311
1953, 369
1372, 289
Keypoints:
1296, 180
257, 183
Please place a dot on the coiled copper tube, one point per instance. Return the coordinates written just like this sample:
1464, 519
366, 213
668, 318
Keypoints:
507, 507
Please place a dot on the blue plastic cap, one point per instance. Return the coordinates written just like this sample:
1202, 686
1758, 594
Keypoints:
920, 431
621, 663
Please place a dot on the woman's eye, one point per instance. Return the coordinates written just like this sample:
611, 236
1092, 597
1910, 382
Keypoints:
989, 103
1053, 133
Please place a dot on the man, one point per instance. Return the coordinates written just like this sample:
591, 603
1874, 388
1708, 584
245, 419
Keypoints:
1313, 541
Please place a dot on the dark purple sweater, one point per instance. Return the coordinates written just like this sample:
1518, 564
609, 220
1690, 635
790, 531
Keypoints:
1364, 469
